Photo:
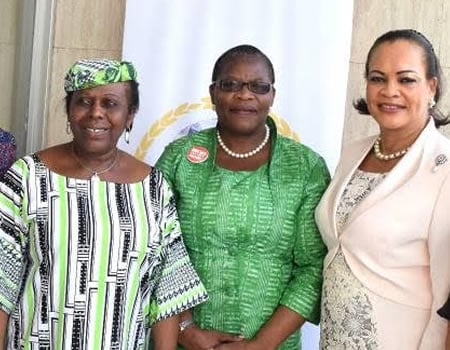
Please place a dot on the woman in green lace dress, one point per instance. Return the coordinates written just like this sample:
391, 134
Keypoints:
246, 199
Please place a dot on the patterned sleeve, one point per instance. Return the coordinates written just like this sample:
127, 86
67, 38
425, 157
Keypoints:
303, 292
13, 231
179, 288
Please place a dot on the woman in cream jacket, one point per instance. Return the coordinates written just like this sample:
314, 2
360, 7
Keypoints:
386, 215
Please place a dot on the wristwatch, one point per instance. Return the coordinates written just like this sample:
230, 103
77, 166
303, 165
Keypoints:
188, 322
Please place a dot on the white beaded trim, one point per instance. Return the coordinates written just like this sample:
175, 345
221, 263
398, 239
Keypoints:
243, 155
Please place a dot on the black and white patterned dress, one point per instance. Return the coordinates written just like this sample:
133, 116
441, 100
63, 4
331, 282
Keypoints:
87, 264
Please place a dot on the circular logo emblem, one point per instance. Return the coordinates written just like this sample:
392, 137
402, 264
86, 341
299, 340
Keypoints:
197, 154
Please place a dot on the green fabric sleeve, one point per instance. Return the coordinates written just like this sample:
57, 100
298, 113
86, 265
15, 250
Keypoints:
303, 292
167, 163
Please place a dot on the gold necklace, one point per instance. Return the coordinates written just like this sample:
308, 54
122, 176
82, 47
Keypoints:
95, 173
377, 151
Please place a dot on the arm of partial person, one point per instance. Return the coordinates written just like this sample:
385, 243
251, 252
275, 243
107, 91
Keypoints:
14, 241
165, 333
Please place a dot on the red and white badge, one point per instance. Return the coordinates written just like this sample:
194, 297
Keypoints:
197, 154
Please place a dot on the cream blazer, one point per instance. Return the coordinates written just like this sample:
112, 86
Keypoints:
397, 240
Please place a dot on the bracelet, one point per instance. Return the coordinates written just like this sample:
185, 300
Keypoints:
186, 324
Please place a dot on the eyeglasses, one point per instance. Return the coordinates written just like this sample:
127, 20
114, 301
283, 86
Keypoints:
230, 85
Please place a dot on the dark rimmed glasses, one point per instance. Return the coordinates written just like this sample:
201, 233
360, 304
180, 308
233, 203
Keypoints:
231, 85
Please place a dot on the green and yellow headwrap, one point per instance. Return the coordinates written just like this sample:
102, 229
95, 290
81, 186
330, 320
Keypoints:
89, 73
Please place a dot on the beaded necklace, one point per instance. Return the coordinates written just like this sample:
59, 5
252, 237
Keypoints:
247, 154
380, 155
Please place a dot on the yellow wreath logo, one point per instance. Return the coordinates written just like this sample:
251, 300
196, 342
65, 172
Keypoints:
175, 114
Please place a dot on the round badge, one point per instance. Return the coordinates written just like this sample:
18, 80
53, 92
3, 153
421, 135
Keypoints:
197, 154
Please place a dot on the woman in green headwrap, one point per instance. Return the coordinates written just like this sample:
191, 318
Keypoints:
91, 253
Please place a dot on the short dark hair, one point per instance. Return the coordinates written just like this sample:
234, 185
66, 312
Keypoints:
432, 67
238, 51
133, 103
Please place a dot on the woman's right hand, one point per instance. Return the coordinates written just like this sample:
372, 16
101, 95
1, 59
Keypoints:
195, 338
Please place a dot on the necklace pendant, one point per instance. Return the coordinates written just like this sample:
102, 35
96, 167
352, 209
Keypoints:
95, 174
95, 177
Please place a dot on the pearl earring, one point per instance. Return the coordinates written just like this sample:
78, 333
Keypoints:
432, 103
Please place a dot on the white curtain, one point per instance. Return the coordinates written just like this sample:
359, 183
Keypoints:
175, 43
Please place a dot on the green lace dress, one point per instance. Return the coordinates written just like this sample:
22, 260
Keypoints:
251, 235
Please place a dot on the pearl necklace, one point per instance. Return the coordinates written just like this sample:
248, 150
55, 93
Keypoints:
243, 155
377, 151
95, 173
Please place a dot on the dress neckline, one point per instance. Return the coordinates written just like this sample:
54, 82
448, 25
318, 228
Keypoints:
237, 172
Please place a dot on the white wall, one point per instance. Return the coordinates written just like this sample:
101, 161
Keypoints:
175, 46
